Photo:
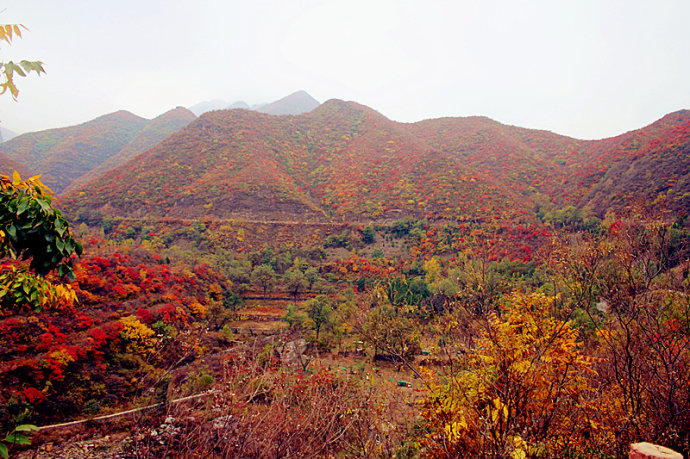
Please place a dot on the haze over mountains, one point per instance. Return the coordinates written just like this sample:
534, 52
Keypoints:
293, 104
6, 134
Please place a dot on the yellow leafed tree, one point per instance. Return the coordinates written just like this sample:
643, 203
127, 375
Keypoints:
522, 390
139, 338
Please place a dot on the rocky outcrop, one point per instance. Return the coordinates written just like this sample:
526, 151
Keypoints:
650, 451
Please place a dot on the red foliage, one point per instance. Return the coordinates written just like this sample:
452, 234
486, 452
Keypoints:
32, 395
145, 315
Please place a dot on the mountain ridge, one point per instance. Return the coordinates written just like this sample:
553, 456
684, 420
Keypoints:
345, 161
294, 104
63, 154
153, 133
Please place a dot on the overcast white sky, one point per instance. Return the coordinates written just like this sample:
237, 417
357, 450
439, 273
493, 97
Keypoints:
584, 68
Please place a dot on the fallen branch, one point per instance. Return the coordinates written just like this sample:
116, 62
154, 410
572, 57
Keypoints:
124, 413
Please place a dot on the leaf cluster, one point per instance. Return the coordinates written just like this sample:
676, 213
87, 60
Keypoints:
30, 228
9, 69
16, 437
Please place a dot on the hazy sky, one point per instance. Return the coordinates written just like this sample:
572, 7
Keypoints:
584, 68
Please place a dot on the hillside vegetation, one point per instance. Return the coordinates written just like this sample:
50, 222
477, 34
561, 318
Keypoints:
68, 157
148, 137
345, 162
64, 154
338, 284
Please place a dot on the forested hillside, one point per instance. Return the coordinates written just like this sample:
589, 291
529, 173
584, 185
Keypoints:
151, 135
346, 162
64, 154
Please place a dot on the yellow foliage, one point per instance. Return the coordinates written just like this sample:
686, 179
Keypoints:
433, 270
523, 383
62, 357
37, 292
215, 289
60, 296
139, 337
198, 309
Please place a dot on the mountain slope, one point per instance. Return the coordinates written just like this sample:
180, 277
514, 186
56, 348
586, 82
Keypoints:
339, 162
643, 165
521, 159
585, 173
64, 154
345, 162
155, 131
8, 165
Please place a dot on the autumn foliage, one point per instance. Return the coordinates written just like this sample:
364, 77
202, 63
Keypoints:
522, 390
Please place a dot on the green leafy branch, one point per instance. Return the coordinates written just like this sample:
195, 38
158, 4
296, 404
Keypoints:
16, 437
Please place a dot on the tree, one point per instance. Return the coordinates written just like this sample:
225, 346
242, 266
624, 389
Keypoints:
629, 285
521, 391
319, 311
31, 229
368, 235
9, 69
295, 282
264, 277
311, 275
390, 330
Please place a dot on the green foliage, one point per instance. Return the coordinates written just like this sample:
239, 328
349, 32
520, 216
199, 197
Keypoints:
31, 229
515, 268
296, 319
319, 311
344, 240
401, 291
232, 300
202, 381
294, 281
402, 227
16, 437
368, 235
311, 275
263, 276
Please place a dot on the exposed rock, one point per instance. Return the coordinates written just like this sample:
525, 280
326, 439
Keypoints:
222, 422
293, 351
649, 451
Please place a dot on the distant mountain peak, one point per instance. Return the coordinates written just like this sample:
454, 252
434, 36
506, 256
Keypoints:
207, 106
6, 134
239, 104
294, 104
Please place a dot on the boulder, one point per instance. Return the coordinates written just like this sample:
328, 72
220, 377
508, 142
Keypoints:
649, 451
